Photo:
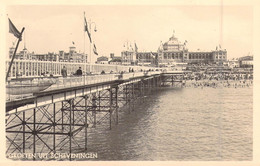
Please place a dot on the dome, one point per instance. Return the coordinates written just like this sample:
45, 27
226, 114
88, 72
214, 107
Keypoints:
173, 44
173, 40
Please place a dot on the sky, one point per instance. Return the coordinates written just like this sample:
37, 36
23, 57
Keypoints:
52, 28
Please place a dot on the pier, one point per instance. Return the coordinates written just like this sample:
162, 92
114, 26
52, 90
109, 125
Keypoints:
57, 119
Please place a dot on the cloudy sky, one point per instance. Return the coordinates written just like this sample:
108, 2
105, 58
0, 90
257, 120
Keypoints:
53, 28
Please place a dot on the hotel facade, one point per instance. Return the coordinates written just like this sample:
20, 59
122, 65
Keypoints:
171, 52
62, 56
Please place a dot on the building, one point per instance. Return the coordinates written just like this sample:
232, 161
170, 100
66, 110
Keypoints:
102, 60
22, 55
128, 57
115, 60
233, 63
72, 56
46, 57
147, 58
171, 52
246, 61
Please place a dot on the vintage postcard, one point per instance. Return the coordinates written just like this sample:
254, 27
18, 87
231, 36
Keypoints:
169, 82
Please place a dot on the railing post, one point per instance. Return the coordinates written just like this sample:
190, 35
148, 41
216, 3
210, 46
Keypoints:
70, 128
110, 107
54, 129
34, 132
116, 100
86, 122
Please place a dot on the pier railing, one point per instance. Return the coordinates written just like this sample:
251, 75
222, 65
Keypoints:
33, 68
74, 81
67, 82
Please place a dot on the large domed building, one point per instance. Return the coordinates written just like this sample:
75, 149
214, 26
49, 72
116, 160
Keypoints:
174, 51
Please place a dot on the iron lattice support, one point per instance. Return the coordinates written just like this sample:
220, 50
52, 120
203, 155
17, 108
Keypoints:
174, 80
50, 129
63, 127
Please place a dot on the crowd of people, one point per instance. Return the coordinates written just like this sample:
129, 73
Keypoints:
218, 76
217, 80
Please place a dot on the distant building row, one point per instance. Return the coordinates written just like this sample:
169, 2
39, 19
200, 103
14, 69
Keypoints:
71, 56
244, 62
168, 53
113, 60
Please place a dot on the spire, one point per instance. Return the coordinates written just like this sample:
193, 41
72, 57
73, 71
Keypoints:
173, 37
24, 42
161, 46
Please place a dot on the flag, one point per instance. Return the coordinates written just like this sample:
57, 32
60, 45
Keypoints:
86, 28
136, 48
95, 50
152, 54
13, 30
73, 42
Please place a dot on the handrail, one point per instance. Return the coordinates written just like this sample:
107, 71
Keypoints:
74, 81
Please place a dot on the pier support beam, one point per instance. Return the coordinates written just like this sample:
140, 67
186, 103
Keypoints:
45, 129
62, 126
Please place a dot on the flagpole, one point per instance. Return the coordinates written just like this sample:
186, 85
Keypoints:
90, 59
89, 35
85, 60
84, 36
90, 56
9, 68
90, 44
